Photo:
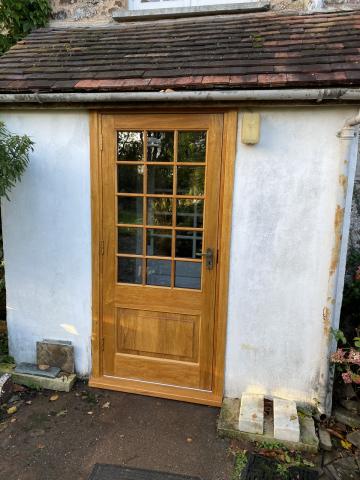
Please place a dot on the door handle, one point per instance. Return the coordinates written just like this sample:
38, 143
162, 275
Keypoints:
209, 258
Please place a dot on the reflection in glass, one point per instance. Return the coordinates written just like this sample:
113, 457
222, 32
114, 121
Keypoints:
130, 146
188, 275
192, 147
160, 179
130, 210
130, 178
158, 242
159, 211
130, 240
129, 270
189, 212
190, 180
158, 272
160, 147
188, 244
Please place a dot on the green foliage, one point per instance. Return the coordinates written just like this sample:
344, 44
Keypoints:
19, 17
339, 335
239, 464
14, 158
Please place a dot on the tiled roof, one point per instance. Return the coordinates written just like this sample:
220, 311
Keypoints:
262, 50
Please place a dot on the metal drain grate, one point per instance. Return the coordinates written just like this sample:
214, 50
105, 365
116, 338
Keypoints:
118, 472
262, 468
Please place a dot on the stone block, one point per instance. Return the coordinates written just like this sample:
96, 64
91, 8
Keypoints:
63, 383
354, 438
347, 418
325, 439
307, 430
31, 369
286, 421
251, 417
56, 353
6, 387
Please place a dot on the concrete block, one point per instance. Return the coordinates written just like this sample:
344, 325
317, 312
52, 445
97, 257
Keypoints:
286, 421
325, 439
63, 383
251, 417
307, 430
56, 353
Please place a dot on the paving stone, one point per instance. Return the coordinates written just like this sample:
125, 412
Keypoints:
251, 418
343, 469
56, 353
63, 383
31, 369
354, 438
351, 405
348, 418
307, 430
286, 421
325, 439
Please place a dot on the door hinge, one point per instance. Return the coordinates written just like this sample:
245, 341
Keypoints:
102, 247
101, 143
102, 344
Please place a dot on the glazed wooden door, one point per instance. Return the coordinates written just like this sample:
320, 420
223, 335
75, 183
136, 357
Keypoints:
160, 201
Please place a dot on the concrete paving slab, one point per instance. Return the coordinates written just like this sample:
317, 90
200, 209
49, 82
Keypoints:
31, 369
251, 416
286, 420
63, 383
228, 426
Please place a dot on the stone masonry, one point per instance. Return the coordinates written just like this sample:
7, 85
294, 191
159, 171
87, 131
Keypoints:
89, 11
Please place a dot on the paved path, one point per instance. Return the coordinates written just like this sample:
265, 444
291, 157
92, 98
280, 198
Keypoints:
53, 440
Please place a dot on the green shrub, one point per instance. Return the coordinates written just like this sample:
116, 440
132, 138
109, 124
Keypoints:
19, 17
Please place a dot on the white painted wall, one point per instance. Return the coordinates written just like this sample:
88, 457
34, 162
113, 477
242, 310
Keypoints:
283, 234
47, 237
284, 205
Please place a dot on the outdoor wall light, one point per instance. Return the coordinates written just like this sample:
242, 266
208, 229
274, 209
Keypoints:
250, 128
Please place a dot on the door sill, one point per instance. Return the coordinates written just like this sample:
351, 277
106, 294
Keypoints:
156, 390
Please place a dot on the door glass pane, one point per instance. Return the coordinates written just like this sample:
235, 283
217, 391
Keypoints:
130, 146
188, 244
158, 272
160, 147
189, 212
160, 179
130, 178
159, 211
130, 240
190, 180
129, 270
158, 242
192, 147
130, 210
188, 275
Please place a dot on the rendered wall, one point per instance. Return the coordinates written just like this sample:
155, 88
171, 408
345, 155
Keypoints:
283, 237
283, 234
47, 240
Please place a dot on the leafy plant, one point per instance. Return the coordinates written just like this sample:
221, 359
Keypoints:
19, 17
14, 158
239, 464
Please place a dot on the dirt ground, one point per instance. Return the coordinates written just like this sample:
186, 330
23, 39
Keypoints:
63, 438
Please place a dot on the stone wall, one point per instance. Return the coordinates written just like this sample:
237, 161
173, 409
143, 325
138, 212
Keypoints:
89, 11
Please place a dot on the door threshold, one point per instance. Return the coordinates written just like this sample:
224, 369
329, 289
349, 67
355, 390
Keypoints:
156, 390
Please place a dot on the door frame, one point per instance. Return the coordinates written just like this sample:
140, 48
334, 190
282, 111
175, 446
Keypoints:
97, 379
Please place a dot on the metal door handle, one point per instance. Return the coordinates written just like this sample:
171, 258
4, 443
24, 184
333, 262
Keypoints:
209, 258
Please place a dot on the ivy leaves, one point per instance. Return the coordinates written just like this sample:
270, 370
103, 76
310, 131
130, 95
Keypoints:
14, 158
19, 17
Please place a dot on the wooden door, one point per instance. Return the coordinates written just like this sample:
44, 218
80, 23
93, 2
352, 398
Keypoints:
160, 208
